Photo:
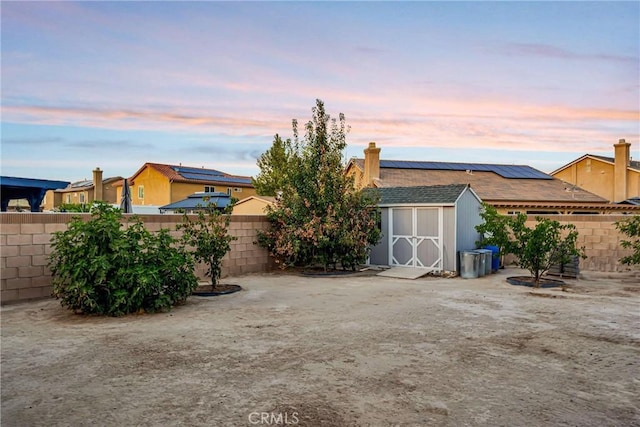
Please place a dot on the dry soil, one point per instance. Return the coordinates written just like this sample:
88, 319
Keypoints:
335, 351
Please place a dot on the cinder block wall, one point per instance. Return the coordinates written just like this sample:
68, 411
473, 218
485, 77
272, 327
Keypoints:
600, 238
25, 247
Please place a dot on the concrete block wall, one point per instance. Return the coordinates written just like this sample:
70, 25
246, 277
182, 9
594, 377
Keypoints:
600, 238
25, 246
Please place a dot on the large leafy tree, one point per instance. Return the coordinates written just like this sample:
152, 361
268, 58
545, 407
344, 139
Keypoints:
274, 168
320, 218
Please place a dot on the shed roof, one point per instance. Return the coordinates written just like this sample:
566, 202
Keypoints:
432, 194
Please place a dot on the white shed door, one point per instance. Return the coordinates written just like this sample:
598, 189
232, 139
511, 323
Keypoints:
415, 237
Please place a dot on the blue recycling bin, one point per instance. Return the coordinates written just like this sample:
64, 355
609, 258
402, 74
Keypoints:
495, 259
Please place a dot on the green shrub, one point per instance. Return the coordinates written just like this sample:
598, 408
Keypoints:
100, 267
630, 227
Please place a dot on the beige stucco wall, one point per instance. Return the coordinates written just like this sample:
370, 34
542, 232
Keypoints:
591, 175
251, 207
598, 177
157, 189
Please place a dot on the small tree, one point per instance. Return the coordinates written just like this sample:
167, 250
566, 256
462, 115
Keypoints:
208, 237
548, 243
631, 228
320, 218
274, 167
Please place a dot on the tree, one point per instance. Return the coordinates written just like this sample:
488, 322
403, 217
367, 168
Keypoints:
495, 229
630, 228
274, 166
208, 237
320, 218
543, 246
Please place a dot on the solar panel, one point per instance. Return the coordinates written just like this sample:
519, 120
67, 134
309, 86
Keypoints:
505, 171
210, 172
217, 178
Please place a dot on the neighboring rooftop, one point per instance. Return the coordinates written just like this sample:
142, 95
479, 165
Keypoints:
505, 171
492, 183
87, 184
196, 175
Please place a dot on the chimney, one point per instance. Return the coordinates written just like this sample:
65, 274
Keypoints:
622, 161
97, 185
371, 164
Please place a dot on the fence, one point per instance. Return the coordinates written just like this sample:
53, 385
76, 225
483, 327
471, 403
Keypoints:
25, 247
600, 238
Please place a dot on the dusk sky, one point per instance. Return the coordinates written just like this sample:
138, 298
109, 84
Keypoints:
117, 84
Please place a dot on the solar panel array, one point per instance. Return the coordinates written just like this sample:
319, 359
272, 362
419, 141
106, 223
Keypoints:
505, 171
209, 175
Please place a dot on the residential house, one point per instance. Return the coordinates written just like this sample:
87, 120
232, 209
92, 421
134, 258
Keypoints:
84, 192
616, 179
510, 188
253, 205
156, 184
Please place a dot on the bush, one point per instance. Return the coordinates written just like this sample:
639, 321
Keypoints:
99, 267
631, 228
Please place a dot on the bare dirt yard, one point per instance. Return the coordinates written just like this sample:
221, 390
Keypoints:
336, 351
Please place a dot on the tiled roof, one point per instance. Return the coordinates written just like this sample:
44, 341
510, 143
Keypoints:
432, 194
196, 175
489, 186
88, 184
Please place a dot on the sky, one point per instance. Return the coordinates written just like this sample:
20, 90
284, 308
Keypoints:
208, 84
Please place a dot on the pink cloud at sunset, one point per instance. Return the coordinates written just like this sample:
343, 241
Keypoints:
535, 83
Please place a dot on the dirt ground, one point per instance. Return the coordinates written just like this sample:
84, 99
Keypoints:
336, 351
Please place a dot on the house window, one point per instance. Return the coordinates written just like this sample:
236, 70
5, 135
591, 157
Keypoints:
209, 189
81, 197
140, 192
229, 191
68, 198
237, 190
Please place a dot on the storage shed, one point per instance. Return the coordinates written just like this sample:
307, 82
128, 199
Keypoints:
426, 226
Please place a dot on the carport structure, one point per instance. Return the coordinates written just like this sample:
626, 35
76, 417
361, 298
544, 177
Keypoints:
425, 227
12, 188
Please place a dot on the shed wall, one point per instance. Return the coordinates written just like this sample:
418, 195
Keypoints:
449, 238
468, 216
380, 252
